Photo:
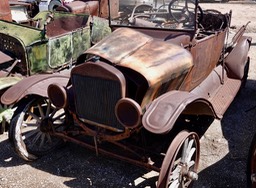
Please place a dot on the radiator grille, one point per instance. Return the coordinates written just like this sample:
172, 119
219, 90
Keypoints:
96, 99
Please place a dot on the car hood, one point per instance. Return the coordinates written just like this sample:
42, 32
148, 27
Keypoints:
158, 61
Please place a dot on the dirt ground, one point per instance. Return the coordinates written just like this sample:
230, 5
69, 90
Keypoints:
224, 146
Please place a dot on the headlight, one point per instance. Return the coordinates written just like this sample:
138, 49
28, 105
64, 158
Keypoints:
57, 95
128, 112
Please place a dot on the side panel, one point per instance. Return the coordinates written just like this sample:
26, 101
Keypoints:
37, 55
206, 53
59, 51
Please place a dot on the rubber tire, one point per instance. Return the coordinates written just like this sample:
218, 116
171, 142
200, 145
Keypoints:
249, 162
15, 136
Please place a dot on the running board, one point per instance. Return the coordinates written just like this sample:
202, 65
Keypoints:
225, 95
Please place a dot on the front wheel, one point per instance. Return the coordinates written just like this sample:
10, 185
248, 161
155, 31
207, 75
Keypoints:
33, 125
180, 164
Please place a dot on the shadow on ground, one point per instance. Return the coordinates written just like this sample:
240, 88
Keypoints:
238, 127
75, 167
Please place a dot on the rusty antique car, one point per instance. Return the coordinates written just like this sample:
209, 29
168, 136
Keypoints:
164, 61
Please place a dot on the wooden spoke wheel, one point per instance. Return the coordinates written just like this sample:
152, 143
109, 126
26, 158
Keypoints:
33, 125
179, 167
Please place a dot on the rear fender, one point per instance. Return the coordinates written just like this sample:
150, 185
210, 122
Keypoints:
34, 85
236, 60
163, 112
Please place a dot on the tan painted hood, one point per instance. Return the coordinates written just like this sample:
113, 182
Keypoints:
157, 61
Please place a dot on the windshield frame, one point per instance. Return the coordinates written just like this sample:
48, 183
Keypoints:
112, 24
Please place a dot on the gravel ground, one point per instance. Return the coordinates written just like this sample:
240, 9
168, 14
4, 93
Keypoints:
224, 146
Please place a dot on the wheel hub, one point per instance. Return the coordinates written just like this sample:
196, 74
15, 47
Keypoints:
192, 175
46, 125
185, 172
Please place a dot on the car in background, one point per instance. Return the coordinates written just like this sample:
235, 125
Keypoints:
23, 11
49, 43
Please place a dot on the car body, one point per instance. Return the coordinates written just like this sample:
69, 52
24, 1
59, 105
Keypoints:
126, 94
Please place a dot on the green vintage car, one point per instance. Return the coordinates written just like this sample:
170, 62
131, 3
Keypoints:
50, 43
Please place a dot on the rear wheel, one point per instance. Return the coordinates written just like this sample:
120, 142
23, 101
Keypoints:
251, 164
33, 125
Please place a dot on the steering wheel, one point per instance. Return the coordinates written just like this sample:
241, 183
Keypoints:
132, 18
183, 11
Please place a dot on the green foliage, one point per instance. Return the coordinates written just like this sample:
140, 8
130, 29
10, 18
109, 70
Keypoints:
5, 114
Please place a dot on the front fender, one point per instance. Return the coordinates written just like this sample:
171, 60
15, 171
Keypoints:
163, 112
36, 85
